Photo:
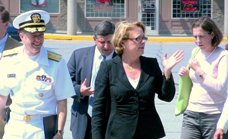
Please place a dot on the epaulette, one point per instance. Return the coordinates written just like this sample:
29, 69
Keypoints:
10, 52
54, 56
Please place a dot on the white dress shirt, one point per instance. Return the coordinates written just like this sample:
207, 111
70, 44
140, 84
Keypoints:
98, 58
3, 43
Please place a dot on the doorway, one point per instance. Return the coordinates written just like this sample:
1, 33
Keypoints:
148, 15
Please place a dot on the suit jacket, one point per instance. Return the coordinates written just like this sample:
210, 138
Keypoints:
132, 111
80, 67
10, 44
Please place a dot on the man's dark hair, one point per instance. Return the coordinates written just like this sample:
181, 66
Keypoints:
104, 28
4, 14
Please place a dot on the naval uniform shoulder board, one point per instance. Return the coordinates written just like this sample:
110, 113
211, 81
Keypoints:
10, 52
54, 56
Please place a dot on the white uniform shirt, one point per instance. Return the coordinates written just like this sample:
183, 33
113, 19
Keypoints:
34, 83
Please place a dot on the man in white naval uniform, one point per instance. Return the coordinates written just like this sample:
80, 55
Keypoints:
37, 80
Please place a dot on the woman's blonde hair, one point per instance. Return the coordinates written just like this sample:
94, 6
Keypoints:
122, 33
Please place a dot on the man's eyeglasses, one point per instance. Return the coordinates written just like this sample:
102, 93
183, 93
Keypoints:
140, 39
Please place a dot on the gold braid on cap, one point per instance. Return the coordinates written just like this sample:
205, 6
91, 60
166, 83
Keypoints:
35, 29
34, 22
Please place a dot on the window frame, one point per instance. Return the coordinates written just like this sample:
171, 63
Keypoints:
172, 11
40, 8
102, 17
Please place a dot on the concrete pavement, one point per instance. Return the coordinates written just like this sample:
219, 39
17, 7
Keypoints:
172, 124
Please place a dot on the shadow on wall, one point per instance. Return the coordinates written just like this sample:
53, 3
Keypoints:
170, 26
83, 23
186, 26
50, 28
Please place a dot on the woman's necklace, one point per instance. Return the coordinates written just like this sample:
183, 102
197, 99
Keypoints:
130, 68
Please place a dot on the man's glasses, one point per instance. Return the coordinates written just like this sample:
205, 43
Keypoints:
140, 39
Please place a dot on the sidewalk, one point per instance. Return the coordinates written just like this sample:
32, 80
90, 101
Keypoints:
63, 45
171, 123
151, 39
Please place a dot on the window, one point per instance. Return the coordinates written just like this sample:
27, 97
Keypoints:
105, 8
51, 6
191, 8
149, 13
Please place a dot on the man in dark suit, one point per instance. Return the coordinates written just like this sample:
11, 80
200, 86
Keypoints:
83, 67
6, 43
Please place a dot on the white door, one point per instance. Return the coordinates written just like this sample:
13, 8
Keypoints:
148, 15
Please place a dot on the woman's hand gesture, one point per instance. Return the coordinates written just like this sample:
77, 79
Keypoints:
169, 63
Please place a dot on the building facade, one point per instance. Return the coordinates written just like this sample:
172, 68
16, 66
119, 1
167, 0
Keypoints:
161, 17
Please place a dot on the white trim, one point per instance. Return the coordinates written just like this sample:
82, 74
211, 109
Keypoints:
225, 19
98, 17
59, 9
157, 16
186, 18
150, 32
